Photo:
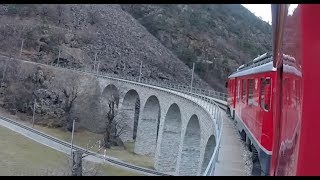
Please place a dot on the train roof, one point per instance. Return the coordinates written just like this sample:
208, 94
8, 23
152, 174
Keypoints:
263, 63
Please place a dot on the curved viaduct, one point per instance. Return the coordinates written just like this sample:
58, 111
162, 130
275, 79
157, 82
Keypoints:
178, 129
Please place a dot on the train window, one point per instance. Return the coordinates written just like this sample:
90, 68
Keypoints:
250, 92
238, 96
297, 87
287, 86
232, 84
286, 91
265, 93
296, 92
244, 90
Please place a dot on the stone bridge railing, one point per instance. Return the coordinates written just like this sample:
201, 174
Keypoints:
210, 100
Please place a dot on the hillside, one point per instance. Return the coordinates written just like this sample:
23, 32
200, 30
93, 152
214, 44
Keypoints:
80, 32
226, 35
119, 42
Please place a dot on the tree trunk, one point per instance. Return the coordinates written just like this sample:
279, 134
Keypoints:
111, 136
107, 139
69, 122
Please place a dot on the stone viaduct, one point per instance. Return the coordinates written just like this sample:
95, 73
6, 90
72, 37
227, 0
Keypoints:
176, 131
179, 132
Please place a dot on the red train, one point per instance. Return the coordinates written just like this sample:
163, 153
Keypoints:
274, 98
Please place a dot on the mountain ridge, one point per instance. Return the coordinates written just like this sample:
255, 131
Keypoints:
227, 35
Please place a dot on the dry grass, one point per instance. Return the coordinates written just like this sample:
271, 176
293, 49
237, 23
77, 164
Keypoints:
88, 139
108, 170
84, 138
22, 156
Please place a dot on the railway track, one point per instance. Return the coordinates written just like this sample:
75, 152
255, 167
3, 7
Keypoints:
86, 152
221, 105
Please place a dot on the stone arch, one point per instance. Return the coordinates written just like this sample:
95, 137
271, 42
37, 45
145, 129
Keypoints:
211, 144
170, 140
129, 113
190, 156
110, 93
148, 127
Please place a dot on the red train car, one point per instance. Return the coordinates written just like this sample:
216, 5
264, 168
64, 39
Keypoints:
250, 103
274, 99
296, 46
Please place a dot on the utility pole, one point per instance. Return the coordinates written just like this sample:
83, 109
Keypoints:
58, 57
4, 72
98, 67
140, 71
207, 68
94, 63
192, 77
72, 138
21, 48
34, 109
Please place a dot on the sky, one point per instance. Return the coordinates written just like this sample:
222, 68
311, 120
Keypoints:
262, 10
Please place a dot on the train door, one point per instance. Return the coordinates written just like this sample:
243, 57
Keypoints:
244, 101
265, 108
253, 107
238, 106
234, 92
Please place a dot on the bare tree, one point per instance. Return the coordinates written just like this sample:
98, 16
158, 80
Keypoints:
70, 94
68, 86
115, 125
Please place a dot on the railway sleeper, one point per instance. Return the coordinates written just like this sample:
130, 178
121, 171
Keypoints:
243, 135
248, 143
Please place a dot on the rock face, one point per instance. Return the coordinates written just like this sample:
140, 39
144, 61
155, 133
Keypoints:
52, 91
91, 37
23, 86
226, 35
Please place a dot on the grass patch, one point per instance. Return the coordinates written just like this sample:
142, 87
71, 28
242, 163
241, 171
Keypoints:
23, 156
84, 138
109, 170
